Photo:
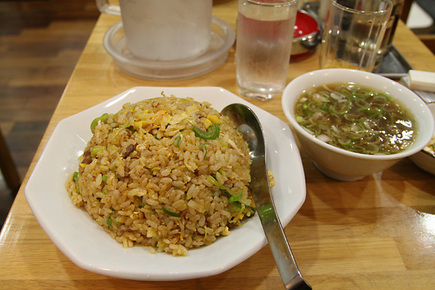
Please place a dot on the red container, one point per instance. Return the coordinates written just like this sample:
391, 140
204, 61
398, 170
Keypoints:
306, 35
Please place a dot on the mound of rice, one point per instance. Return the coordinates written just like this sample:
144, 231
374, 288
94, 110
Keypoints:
168, 173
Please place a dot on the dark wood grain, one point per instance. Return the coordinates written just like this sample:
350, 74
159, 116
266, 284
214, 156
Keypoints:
376, 233
40, 43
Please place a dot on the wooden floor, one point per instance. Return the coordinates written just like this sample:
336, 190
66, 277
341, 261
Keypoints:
40, 43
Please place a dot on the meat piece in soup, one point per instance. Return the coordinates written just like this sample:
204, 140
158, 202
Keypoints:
356, 118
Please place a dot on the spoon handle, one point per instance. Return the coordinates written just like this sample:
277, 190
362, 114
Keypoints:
285, 262
284, 259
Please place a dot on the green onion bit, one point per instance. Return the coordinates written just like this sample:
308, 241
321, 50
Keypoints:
177, 141
104, 179
97, 149
168, 212
109, 221
266, 212
94, 123
205, 148
211, 133
75, 176
233, 199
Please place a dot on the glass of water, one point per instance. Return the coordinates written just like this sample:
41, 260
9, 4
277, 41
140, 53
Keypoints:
387, 41
264, 40
353, 33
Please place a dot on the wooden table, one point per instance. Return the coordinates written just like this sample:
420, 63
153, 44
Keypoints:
370, 234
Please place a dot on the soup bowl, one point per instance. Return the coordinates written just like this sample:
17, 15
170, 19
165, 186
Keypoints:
342, 164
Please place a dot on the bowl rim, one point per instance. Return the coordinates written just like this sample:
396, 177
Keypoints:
294, 89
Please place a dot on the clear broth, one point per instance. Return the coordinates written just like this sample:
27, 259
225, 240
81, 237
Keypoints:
356, 118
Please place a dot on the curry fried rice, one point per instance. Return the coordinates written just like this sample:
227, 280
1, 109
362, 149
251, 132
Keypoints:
168, 173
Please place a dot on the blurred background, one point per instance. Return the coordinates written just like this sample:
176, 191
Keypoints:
40, 43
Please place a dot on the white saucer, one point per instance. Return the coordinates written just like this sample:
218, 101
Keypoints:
222, 39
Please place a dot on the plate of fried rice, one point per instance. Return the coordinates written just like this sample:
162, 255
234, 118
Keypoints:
153, 184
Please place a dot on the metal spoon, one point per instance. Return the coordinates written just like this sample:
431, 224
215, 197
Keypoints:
248, 125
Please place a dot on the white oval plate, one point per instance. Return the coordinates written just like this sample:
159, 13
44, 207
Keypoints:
86, 244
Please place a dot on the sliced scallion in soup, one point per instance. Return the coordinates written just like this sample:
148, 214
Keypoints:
356, 118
